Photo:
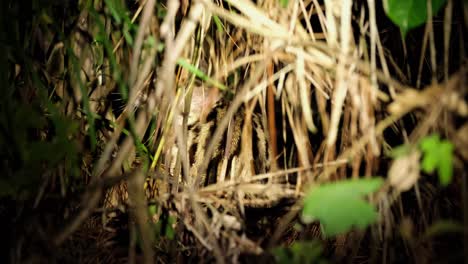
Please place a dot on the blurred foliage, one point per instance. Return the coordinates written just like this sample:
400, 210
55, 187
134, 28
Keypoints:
300, 252
44, 138
339, 205
408, 14
438, 154
37, 139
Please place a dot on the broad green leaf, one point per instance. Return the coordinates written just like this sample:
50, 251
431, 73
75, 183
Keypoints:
438, 154
408, 14
339, 206
429, 162
429, 143
429, 146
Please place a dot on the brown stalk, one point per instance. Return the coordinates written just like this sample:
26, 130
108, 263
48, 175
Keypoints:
272, 121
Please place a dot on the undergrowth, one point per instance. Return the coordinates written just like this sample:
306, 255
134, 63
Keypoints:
364, 111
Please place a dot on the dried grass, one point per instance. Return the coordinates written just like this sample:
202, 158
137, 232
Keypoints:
327, 86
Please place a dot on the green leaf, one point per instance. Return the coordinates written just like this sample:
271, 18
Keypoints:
438, 154
339, 206
218, 23
152, 209
429, 146
127, 34
408, 14
200, 74
300, 252
445, 169
170, 233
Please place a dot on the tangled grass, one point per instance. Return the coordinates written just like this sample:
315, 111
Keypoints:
335, 95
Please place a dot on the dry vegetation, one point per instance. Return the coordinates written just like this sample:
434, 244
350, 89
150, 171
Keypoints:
332, 82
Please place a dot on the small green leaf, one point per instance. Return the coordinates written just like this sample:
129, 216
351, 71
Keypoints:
127, 35
438, 154
429, 162
429, 146
408, 14
300, 252
170, 233
445, 169
339, 206
152, 209
429, 143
